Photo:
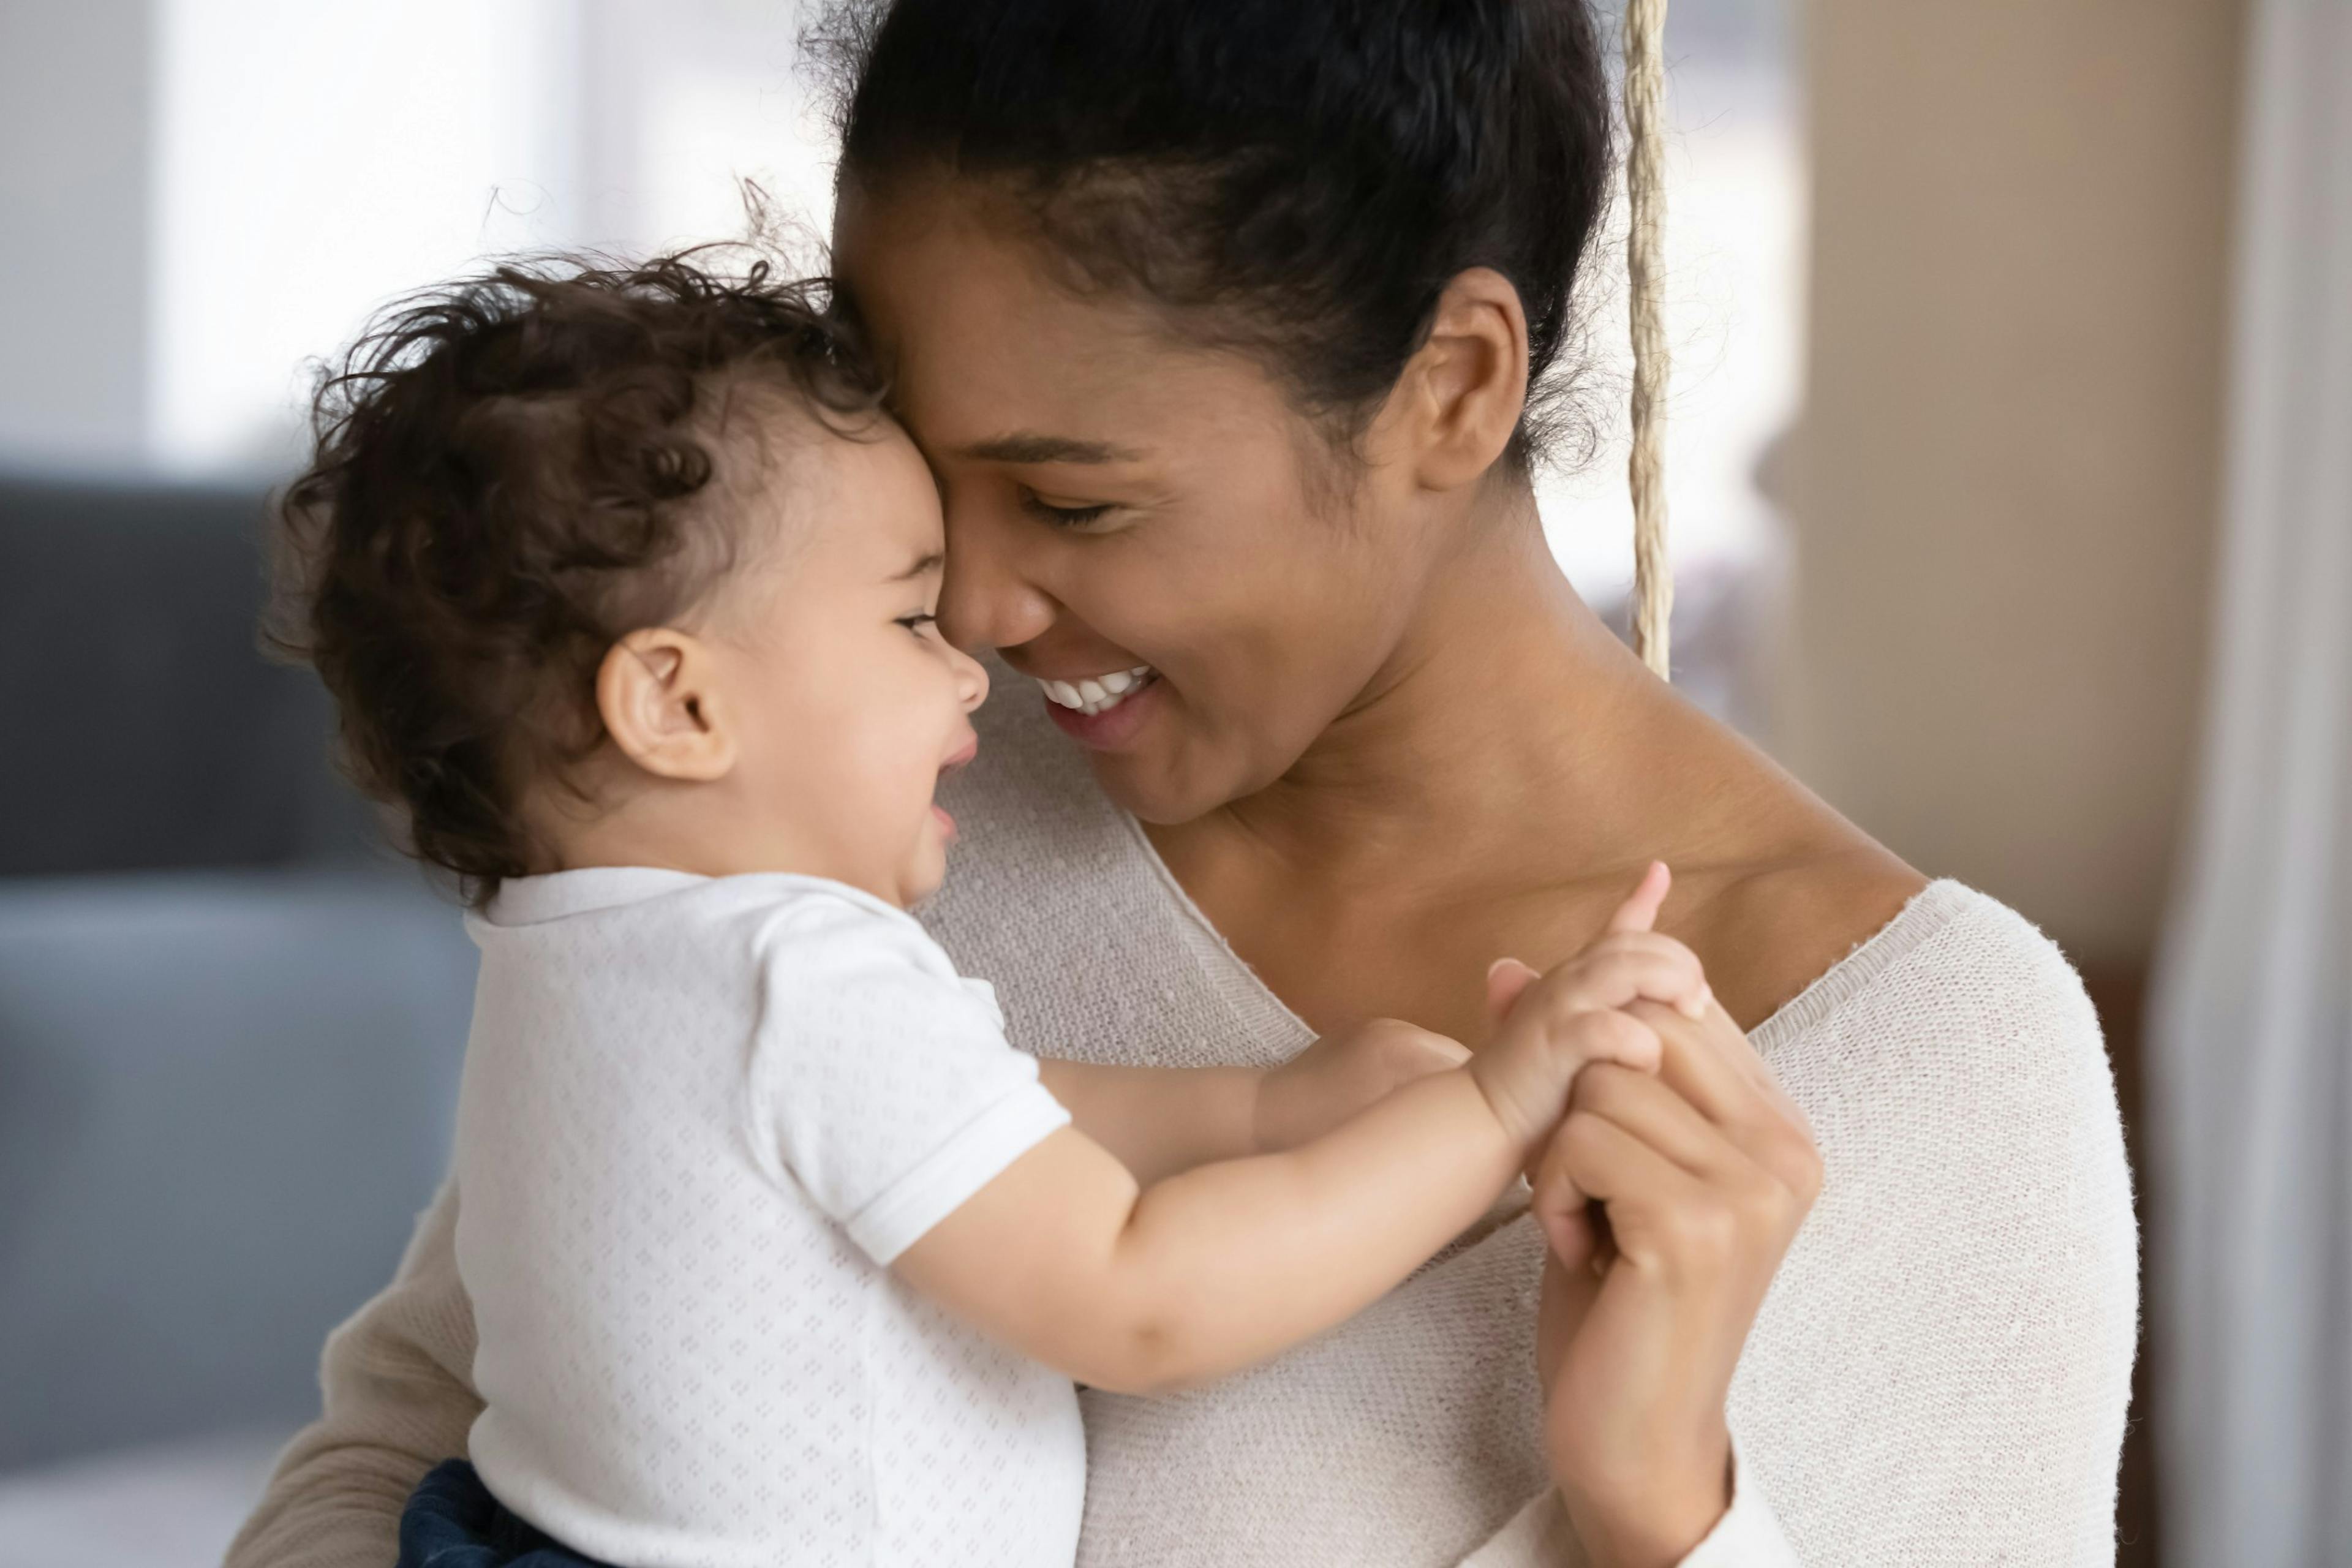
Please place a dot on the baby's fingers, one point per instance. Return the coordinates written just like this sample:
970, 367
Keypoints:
1626, 967
1529, 1075
1640, 909
1606, 1035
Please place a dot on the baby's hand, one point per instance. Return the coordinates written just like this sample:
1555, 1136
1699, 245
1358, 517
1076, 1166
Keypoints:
1555, 1024
1340, 1075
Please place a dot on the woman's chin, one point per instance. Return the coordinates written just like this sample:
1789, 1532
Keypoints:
1150, 790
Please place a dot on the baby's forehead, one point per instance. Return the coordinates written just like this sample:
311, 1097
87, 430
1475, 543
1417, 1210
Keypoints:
846, 494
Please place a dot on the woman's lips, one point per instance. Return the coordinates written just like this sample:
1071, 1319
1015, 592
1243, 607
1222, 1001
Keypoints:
1114, 726
1095, 694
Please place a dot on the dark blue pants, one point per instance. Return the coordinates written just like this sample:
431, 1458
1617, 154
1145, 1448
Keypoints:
452, 1521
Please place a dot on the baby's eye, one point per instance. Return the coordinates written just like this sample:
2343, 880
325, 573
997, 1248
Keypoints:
918, 621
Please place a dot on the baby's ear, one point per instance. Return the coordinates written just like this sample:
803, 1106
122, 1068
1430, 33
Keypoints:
658, 694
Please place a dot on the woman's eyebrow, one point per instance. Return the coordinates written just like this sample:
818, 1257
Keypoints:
1029, 447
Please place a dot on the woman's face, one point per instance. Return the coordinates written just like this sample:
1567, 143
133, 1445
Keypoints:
1145, 529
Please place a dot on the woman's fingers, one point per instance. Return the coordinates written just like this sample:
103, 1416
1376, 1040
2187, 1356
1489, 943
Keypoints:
1644, 1105
1715, 1039
1711, 1065
1564, 1211
1732, 1043
1700, 1067
1650, 1201
1643, 1108
1699, 1137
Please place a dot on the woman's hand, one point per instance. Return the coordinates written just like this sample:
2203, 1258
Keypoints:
1704, 1172
1340, 1075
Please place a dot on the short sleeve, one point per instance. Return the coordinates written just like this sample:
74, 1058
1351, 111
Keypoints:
881, 1082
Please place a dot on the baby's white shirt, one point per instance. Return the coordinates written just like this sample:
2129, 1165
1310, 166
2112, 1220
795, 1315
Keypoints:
699, 1117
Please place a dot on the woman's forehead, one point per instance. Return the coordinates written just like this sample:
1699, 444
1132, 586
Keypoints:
930, 277
987, 348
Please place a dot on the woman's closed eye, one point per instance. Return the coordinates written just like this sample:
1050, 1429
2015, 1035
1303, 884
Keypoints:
1076, 518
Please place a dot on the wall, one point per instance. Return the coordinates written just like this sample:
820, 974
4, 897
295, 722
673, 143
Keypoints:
2008, 469
74, 130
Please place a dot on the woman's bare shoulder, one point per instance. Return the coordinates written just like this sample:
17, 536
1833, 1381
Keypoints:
1769, 929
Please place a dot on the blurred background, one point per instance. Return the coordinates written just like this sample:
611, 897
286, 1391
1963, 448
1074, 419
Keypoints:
2011, 488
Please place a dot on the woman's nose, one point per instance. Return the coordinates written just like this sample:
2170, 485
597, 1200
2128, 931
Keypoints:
986, 601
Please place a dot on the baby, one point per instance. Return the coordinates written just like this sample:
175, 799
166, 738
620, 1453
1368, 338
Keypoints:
778, 1251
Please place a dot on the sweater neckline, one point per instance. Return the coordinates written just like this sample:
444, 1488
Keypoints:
1925, 912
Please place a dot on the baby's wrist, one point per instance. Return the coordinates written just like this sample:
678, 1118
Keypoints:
1491, 1070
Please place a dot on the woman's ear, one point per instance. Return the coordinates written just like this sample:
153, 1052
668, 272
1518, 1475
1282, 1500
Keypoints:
658, 694
1462, 391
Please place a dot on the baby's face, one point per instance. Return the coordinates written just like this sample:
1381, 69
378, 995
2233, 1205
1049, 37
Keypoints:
847, 704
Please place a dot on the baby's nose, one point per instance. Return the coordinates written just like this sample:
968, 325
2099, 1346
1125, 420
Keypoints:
972, 680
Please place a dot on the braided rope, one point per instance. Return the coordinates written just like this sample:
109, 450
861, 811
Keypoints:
1645, 190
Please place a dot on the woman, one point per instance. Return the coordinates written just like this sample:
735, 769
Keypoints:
1228, 331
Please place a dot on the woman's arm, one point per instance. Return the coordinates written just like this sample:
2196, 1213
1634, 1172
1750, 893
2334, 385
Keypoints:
1705, 1170
1940, 1371
398, 1401
1542, 1535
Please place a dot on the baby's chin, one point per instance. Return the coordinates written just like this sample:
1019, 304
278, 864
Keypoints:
925, 876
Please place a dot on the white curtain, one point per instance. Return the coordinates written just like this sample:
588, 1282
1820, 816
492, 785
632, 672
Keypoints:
2251, 1063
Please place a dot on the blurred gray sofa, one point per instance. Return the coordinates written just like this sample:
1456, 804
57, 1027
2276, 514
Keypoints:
230, 1025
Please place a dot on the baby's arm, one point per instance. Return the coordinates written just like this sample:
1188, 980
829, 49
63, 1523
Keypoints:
1137, 1289
1158, 1121
1064, 1259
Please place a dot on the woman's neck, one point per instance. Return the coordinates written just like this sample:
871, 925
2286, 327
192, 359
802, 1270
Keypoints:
1506, 707
1496, 789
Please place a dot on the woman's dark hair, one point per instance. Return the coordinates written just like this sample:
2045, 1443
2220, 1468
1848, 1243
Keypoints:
1300, 178
512, 473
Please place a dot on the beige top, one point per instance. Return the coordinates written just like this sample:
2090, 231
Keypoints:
1938, 1375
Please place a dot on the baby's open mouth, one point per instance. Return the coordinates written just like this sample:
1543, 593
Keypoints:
962, 758
1100, 693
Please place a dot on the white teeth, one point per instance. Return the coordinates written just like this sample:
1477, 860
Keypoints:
1098, 693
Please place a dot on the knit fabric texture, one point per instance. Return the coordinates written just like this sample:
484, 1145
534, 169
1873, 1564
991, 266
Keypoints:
1938, 1375
700, 1118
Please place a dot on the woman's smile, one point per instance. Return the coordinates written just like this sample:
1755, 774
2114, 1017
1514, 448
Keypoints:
1095, 694
1104, 713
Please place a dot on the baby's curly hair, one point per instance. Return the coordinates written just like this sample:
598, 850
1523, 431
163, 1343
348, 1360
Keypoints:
511, 473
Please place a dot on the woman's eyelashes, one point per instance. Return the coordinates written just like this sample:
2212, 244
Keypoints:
1078, 519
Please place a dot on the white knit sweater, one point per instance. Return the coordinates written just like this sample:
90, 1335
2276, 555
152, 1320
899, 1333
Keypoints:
1938, 1375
